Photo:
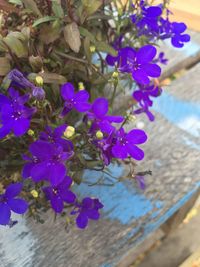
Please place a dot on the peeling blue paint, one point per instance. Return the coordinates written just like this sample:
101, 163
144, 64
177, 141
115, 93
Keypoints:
123, 202
186, 115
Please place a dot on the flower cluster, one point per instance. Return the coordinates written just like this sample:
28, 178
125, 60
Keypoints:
53, 131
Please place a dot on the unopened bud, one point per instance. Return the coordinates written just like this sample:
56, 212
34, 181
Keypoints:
34, 193
81, 86
115, 74
30, 132
39, 81
131, 118
99, 135
69, 132
92, 48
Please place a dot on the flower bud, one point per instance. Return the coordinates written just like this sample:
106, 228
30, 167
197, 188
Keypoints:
30, 132
99, 135
69, 132
92, 48
34, 193
81, 86
131, 118
115, 74
39, 81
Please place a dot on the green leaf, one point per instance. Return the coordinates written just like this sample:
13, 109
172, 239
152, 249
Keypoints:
16, 2
48, 33
72, 36
57, 8
15, 45
52, 78
44, 20
86, 44
104, 47
30, 4
86, 33
4, 66
91, 6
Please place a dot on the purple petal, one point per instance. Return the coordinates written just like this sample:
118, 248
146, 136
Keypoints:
140, 76
68, 196
82, 220
40, 172
57, 204
179, 27
4, 100
57, 173
26, 172
5, 130
185, 38
18, 205
13, 93
82, 107
136, 136
93, 214
58, 132
116, 119
42, 150
111, 60
146, 54
4, 214
21, 126
152, 70
119, 151
82, 96
13, 190
138, 95
153, 11
100, 107
106, 127
67, 91
176, 41
87, 203
135, 152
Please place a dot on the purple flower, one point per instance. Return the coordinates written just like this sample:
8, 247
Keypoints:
126, 144
55, 136
9, 202
78, 101
140, 181
143, 98
105, 147
98, 115
178, 38
139, 63
19, 80
47, 162
88, 209
60, 194
14, 115
161, 59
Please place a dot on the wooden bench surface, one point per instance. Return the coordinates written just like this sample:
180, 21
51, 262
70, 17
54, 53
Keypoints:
130, 215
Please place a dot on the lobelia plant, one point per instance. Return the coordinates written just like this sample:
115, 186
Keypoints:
64, 65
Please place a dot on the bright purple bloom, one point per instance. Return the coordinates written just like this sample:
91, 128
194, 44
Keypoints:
98, 114
126, 144
105, 147
9, 202
60, 194
139, 63
178, 38
78, 101
19, 80
14, 115
88, 209
55, 136
47, 162
143, 98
